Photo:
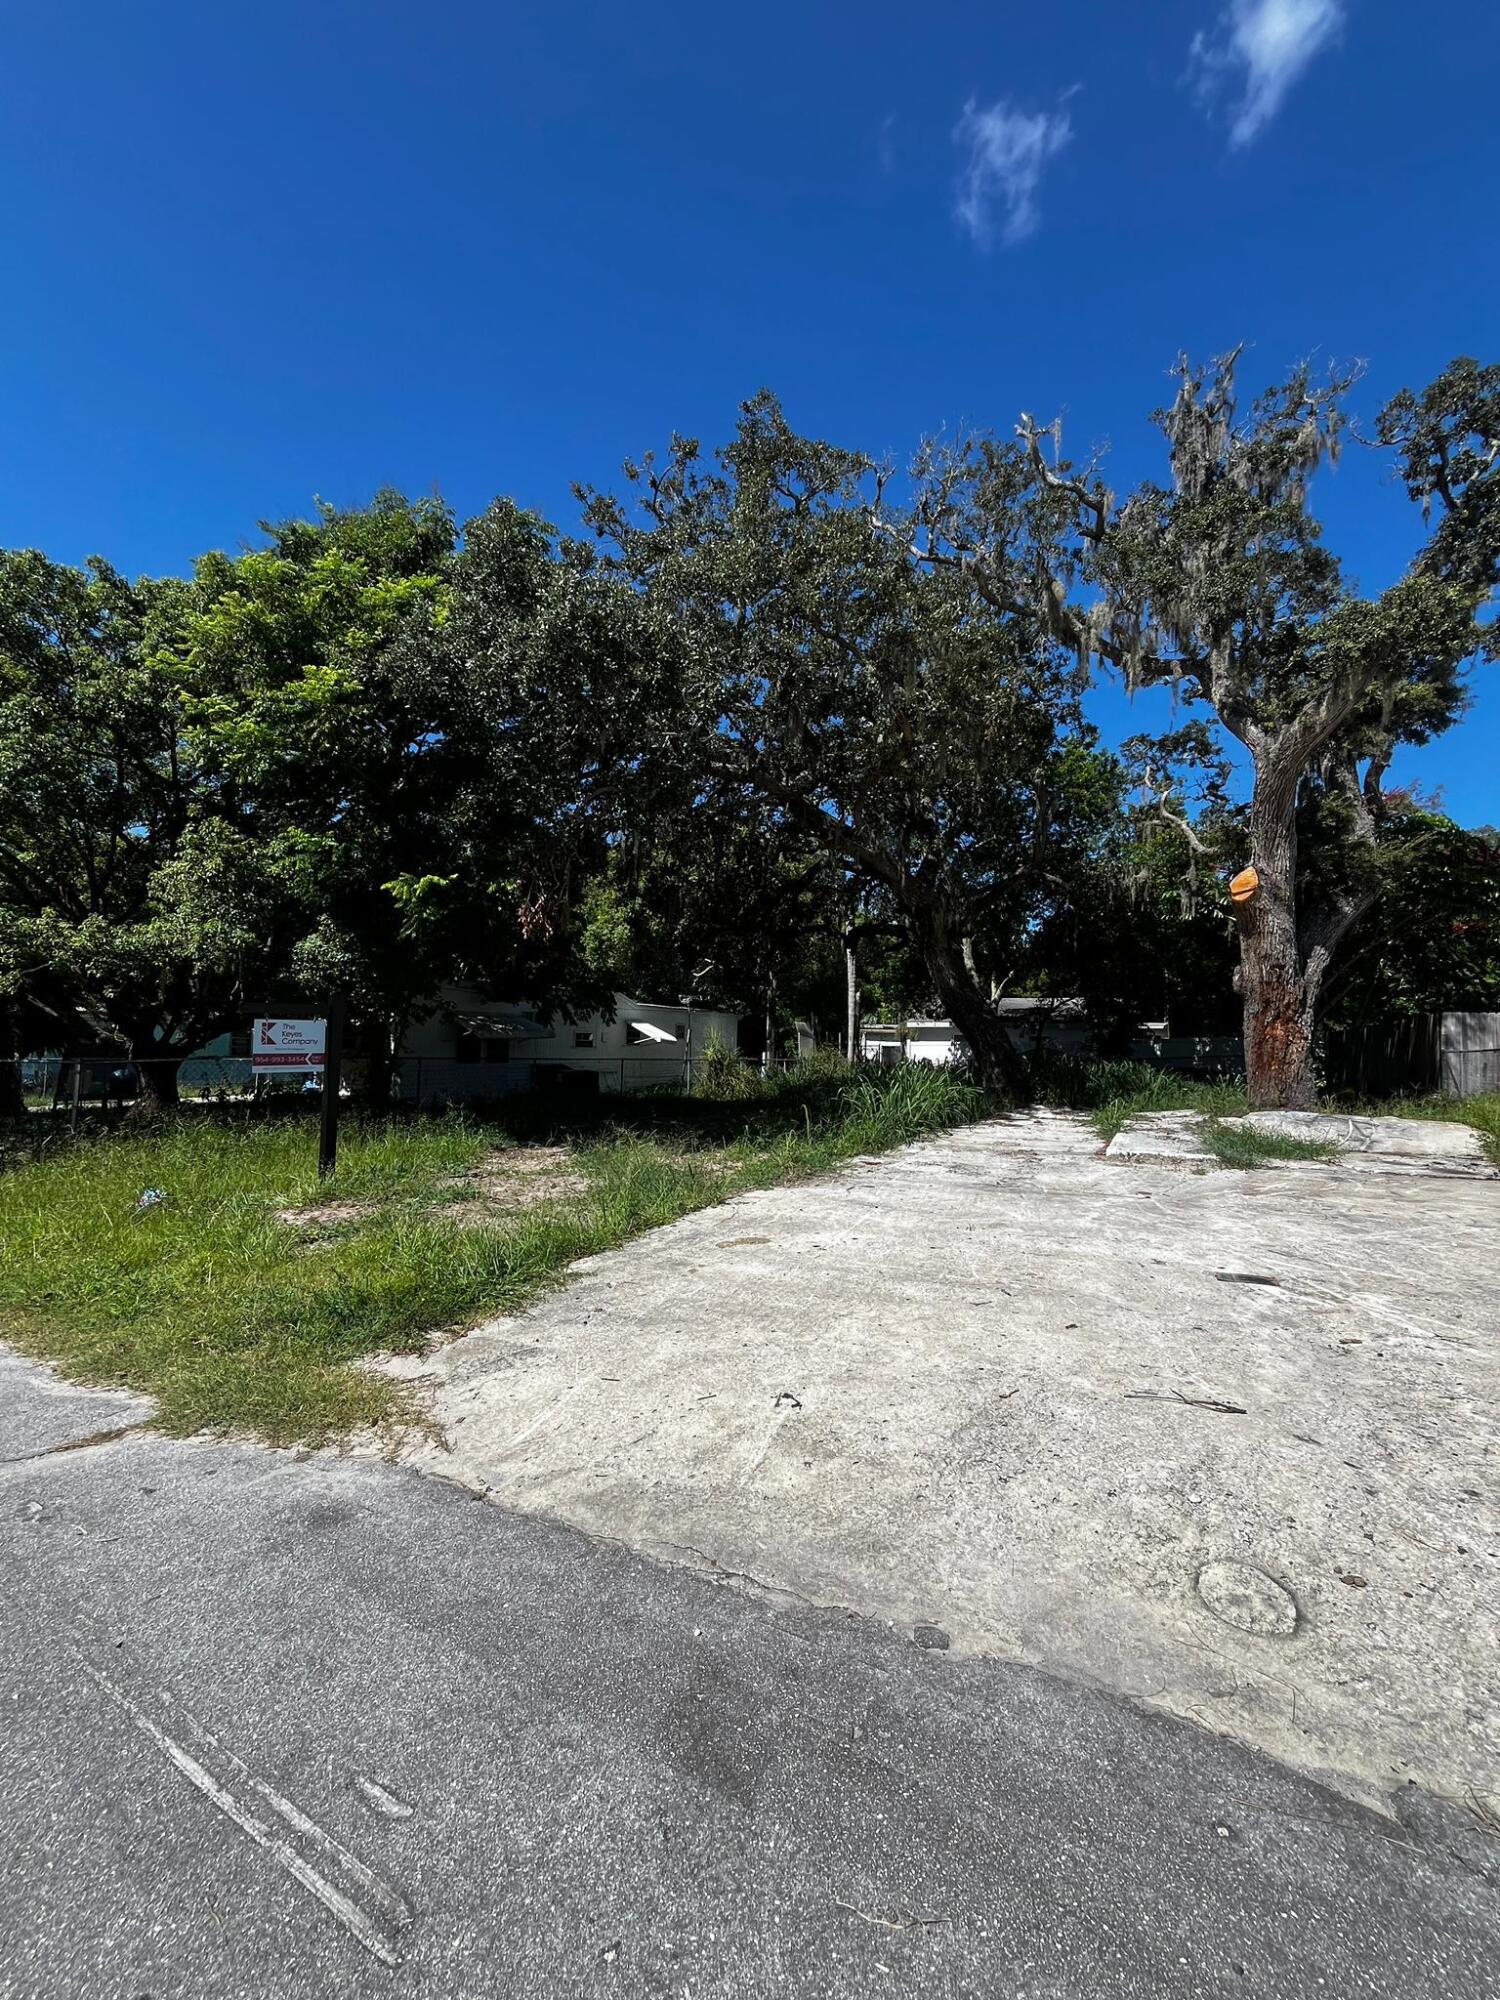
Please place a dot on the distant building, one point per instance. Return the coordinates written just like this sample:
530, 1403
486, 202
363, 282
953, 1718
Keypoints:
1061, 1026
1031, 1023
468, 1048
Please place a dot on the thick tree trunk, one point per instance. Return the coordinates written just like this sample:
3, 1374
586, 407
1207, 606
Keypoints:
1279, 1023
157, 1090
998, 1064
1280, 998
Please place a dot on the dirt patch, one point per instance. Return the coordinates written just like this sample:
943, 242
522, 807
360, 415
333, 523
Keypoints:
327, 1214
512, 1181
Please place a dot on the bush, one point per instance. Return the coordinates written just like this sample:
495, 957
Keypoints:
895, 1104
723, 1076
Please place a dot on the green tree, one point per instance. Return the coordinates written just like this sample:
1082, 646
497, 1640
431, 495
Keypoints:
1219, 583
357, 758
135, 903
924, 738
1431, 940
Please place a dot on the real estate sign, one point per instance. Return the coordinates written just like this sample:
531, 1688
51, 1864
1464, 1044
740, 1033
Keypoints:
283, 1045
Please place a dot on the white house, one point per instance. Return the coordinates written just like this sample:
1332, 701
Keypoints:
1031, 1023
1061, 1026
469, 1048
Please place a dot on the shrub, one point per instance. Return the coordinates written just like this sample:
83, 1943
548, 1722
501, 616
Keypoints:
722, 1075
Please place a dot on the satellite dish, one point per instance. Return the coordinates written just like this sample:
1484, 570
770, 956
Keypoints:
1243, 886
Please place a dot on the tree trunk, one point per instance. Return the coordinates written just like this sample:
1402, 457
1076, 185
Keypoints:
12, 1097
374, 1067
157, 1090
851, 1000
1280, 999
998, 1064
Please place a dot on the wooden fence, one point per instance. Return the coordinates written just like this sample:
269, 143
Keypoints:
1455, 1053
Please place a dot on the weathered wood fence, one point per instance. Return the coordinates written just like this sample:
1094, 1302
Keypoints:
1456, 1053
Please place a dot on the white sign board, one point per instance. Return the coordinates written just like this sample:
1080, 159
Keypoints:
287, 1044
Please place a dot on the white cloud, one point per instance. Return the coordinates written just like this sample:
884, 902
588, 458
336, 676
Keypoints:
1265, 45
1007, 151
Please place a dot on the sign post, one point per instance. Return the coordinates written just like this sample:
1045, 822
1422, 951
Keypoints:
279, 1045
333, 1065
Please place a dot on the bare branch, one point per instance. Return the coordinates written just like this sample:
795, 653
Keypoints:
1092, 499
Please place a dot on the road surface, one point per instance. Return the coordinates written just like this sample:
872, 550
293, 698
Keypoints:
276, 1726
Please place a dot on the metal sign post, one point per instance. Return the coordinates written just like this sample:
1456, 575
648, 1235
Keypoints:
333, 1065
317, 1046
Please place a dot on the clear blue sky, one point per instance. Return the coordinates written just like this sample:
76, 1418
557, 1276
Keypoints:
257, 254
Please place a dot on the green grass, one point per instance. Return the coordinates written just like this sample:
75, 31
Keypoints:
1246, 1146
235, 1320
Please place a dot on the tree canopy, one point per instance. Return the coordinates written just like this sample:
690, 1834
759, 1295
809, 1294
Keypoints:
771, 703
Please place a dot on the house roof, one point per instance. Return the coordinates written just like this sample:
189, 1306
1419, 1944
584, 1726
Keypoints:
503, 1027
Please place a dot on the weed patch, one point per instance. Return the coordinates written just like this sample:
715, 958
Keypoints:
1115, 1092
1246, 1146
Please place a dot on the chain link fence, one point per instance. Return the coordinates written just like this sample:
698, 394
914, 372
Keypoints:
104, 1083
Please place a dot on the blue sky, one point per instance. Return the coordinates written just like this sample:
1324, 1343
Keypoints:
255, 255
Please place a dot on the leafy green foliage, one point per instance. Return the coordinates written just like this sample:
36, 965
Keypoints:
884, 711
355, 758
1431, 941
721, 1074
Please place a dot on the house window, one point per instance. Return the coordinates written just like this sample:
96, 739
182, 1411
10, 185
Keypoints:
583, 1039
477, 1049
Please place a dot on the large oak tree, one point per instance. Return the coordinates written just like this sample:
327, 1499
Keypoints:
904, 721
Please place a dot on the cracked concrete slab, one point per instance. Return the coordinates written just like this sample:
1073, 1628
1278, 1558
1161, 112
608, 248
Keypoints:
1364, 1145
1163, 1139
1433, 1145
1224, 1442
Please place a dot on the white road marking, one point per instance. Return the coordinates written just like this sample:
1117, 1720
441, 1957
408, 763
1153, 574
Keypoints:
357, 1921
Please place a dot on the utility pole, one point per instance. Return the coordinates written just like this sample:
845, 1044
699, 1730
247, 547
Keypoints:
333, 1071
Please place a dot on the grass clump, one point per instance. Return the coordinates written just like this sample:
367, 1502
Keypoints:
236, 1318
1249, 1146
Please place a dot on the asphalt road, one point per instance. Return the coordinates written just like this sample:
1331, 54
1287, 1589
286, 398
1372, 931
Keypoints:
273, 1726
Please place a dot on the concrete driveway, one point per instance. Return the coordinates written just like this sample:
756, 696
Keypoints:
1220, 1441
